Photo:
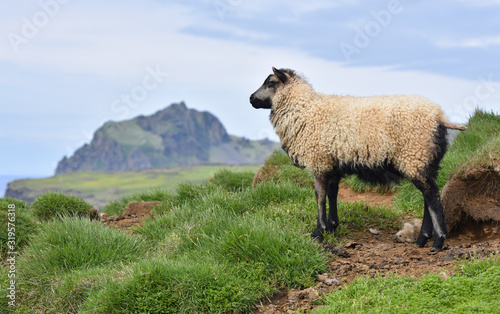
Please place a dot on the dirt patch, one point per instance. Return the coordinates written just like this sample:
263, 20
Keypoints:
472, 197
371, 198
367, 255
265, 173
133, 215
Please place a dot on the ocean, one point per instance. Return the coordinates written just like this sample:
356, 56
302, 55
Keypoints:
4, 180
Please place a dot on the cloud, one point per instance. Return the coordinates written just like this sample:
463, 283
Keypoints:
478, 42
480, 3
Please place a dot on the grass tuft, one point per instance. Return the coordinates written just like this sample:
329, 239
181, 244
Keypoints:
55, 205
73, 243
232, 181
17, 225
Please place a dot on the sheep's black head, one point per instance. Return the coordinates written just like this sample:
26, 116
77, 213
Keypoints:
263, 97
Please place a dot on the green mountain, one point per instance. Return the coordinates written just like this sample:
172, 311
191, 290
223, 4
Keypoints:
173, 137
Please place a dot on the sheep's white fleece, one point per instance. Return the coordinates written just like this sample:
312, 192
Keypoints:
321, 131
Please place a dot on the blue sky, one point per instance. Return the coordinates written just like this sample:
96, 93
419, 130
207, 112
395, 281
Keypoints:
68, 66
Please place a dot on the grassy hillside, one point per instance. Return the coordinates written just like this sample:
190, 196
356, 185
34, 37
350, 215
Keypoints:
100, 188
206, 250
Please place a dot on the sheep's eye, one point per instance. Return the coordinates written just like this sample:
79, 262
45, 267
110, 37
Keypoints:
271, 84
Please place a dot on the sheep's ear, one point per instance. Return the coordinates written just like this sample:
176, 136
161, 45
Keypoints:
281, 75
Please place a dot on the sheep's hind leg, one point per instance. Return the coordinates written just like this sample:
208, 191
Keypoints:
320, 187
434, 212
333, 188
426, 229
437, 216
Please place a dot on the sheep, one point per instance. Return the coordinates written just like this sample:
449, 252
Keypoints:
381, 139
409, 232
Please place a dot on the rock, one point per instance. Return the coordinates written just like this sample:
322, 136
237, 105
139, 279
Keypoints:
398, 261
324, 278
104, 216
449, 257
351, 244
339, 251
384, 247
374, 231
175, 136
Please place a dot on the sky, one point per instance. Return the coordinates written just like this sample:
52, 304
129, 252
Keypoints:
68, 66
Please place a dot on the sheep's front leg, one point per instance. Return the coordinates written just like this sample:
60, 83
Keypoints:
333, 189
320, 186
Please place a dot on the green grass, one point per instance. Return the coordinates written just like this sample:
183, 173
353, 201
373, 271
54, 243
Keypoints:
65, 261
279, 168
55, 205
100, 188
214, 253
216, 247
22, 225
233, 181
77, 243
167, 286
476, 288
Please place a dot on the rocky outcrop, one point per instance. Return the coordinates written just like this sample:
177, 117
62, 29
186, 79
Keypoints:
173, 137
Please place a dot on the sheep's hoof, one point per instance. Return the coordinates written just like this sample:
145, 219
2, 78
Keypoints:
317, 236
421, 241
438, 244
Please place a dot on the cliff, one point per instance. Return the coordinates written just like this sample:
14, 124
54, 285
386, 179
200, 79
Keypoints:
173, 137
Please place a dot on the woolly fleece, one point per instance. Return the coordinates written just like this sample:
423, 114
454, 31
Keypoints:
321, 131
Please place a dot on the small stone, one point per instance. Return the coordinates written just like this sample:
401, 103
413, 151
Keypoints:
373, 265
351, 244
384, 247
104, 216
398, 261
327, 280
339, 251
332, 282
449, 257
374, 231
